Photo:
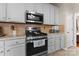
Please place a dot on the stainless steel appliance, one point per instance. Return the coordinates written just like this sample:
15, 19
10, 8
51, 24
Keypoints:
36, 42
33, 17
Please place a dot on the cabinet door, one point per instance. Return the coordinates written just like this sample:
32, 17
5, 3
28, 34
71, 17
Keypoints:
30, 7
16, 51
2, 11
51, 42
1, 44
62, 42
57, 43
1, 48
46, 13
51, 12
1, 51
51, 47
15, 12
56, 15
38, 7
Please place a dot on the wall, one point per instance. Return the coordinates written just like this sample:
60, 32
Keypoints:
20, 28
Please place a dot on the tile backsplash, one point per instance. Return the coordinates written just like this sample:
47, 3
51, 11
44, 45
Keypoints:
20, 28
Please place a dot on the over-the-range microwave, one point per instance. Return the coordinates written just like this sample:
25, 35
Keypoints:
34, 18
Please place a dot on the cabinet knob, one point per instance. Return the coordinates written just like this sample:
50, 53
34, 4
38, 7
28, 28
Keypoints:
8, 50
16, 42
9, 18
1, 51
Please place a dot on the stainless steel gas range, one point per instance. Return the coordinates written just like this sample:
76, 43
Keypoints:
36, 42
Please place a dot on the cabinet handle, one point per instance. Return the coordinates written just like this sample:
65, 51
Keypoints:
1, 51
16, 42
8, 50
9, 18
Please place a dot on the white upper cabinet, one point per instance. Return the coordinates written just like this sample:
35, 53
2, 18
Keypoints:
48, 11
2, 11
46, 14
29, 6
51, 14
56, 15
36, 7
15, 12
39, 7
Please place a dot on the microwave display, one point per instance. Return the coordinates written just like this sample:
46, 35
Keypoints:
34, 18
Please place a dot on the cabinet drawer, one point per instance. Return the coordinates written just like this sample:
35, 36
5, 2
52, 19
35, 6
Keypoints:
50, 42
14, 42
1, 44
1, 51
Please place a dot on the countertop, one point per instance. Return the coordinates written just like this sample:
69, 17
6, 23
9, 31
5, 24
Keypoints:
12, 38
55, 33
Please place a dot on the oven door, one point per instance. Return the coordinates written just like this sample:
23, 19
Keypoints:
31, 49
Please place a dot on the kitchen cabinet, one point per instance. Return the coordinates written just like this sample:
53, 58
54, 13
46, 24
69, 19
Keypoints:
15, 47
51, 14
30, 7
16, 51
55, 42
62, 42
1, 48
2, 11
38, 7
56, 16
15, 12
48, 11
51, 47
1, 51
46, 14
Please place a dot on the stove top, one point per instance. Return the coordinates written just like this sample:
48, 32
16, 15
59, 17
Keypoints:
34, 32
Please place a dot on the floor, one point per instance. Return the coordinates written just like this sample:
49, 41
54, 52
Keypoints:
73, 51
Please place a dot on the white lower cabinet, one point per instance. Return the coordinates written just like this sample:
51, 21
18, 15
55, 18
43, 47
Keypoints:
62, 42
55, 42
15, 47
1, 51
51, 47
1, 48
16, 50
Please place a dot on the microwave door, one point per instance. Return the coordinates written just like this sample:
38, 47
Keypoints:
33, 18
